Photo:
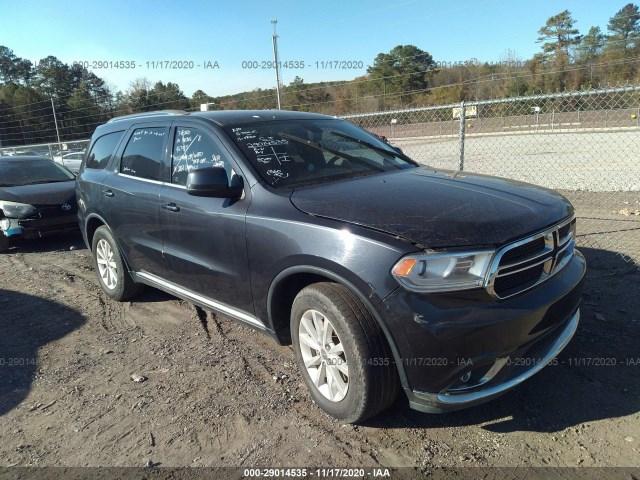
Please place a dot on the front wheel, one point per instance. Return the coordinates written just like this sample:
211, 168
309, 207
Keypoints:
113, 275
342, 353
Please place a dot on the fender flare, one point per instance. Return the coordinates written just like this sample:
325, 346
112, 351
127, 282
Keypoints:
105, 224
90, 217
346, 283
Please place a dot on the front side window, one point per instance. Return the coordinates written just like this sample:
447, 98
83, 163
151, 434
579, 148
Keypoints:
142, 156
194, 149
293, 153
102, 150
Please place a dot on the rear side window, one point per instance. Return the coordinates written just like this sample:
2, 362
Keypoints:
142, 156
194, 149
102, 150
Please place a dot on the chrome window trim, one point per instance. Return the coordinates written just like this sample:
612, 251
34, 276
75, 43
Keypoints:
164, 184
142, 179
554, 247
175, 185
148, 180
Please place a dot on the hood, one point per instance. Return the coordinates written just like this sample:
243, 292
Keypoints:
437, 208
56, 193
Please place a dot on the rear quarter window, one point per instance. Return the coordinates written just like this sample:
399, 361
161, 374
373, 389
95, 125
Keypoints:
102, 150
142, 156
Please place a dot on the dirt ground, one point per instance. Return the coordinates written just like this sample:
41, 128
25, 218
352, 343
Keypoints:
219, 394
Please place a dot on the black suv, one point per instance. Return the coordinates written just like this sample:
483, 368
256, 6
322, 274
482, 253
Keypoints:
379, 271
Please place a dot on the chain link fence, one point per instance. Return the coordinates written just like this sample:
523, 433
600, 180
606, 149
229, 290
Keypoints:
584, 144
54, 151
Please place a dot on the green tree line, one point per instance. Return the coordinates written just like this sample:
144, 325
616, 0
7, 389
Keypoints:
406, 76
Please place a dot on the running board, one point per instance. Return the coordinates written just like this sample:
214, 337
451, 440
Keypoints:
193, 297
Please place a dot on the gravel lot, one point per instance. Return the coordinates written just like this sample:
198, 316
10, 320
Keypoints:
215, 393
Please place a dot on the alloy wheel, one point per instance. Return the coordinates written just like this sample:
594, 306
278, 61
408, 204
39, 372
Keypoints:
323, 355
107, 267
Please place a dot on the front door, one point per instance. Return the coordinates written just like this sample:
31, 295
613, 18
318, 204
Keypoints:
204, 238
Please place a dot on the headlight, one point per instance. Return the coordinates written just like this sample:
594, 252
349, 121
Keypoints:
443, 272
16, 210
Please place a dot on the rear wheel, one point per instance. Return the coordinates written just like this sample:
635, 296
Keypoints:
113, 276
342, 353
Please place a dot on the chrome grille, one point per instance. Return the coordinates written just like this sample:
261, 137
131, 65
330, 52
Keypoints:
522, 265
523, 251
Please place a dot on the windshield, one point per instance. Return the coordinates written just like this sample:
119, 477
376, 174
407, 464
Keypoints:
29, 172
292, 153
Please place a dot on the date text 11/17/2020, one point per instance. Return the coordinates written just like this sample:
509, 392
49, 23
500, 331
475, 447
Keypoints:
215, 65
302, 64
149, 64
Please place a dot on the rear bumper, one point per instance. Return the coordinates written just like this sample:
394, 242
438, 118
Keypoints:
529, 366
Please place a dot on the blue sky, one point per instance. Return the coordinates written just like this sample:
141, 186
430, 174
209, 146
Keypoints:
230, 32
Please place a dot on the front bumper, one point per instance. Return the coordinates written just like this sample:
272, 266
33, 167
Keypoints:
458, 351
40, 227
526, 366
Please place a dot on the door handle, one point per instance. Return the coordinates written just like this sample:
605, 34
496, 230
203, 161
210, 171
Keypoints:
108, 193
172, 207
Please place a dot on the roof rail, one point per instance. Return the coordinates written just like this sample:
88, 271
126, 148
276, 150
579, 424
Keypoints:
148, 114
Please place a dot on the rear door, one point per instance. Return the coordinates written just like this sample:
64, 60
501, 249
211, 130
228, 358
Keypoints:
204, 237
131, 196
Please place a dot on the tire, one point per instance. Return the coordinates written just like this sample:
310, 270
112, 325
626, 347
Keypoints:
113, 275
4, 243
355, 376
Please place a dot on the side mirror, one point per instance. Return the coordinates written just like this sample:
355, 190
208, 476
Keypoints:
213, 182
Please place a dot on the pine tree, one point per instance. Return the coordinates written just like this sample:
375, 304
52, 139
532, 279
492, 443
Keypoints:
625, 28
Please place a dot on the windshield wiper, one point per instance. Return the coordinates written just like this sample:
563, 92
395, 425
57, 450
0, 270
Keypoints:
395, 152
322, 148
